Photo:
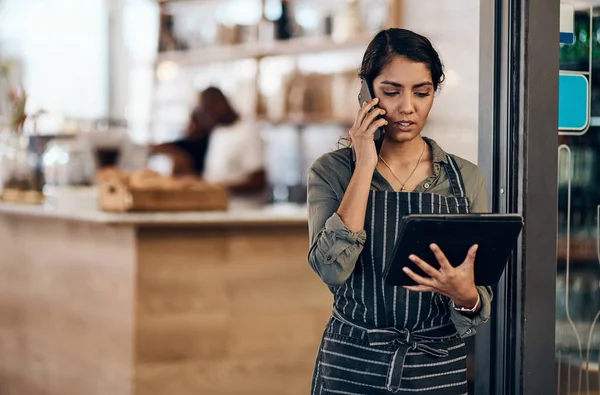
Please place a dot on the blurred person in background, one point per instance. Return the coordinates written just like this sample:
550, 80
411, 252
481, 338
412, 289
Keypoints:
218, 146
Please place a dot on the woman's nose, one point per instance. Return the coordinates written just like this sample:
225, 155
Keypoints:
406, 104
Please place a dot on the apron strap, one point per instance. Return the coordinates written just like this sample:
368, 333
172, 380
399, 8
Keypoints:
457, 183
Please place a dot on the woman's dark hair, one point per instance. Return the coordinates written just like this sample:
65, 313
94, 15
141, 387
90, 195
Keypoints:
227, 115
397, 42
400, 42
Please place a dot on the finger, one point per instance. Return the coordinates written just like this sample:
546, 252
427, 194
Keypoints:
370, 118
426, 267
471, 254
441, 258
365, 110
420, 280
376, 125
420, 288
362, 113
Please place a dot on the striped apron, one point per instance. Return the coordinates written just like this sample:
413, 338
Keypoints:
383, 339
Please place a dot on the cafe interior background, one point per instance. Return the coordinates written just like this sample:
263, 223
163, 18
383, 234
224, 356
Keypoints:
98, 300
105, 70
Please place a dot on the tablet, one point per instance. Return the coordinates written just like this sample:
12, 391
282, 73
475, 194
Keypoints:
496, 235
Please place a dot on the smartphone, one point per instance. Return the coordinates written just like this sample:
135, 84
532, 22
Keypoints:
365, 95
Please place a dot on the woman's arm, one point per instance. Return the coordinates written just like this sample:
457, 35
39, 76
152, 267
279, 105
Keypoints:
336, 228
334, 247
466, 324
182, 162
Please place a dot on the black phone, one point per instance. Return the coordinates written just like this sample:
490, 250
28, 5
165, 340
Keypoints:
366, 95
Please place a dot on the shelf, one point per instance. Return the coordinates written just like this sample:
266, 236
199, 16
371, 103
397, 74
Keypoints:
292, 47
589, 190
184, 1
572, 359
306, 120
582, 249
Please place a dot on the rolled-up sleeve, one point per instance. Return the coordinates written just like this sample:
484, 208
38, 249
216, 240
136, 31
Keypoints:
466, 325
334, 248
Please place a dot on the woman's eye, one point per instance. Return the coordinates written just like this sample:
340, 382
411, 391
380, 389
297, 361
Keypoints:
422, 94
390, 93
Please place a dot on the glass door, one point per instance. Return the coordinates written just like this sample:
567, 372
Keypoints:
577, 342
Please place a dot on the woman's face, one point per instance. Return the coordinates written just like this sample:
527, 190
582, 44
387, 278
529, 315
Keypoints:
405, 91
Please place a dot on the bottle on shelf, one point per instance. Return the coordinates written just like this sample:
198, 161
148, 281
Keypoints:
349, 23
283, 25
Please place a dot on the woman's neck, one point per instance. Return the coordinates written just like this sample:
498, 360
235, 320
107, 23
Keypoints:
404, 153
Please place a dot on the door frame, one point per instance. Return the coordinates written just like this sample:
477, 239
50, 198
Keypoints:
518, 154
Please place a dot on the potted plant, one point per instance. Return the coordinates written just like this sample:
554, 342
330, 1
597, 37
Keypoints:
19, 176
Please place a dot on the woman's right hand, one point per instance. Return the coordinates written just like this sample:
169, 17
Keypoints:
362, 134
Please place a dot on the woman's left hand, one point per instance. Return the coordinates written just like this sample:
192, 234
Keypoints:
458, 283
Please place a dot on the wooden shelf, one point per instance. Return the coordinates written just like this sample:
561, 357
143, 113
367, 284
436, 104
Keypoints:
582, 249
306, 120
292, 47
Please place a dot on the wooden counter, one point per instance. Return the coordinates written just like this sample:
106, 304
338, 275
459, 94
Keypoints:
152, 304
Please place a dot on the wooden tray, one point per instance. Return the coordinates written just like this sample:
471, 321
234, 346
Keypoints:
115, 196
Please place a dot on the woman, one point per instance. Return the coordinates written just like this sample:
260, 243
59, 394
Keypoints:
383, 339
218, 146
189, 153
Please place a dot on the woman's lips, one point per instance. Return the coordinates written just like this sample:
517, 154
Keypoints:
404, 126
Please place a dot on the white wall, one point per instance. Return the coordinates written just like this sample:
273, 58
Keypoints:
62, 45
453, 28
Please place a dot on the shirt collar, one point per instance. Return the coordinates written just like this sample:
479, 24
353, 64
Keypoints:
438, 155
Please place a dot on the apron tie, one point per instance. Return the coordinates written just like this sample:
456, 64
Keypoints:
403, 340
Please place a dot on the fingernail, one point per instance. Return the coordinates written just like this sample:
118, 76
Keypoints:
432, 246
405, 269
412, 257
376, 100
475, 248
383, 111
